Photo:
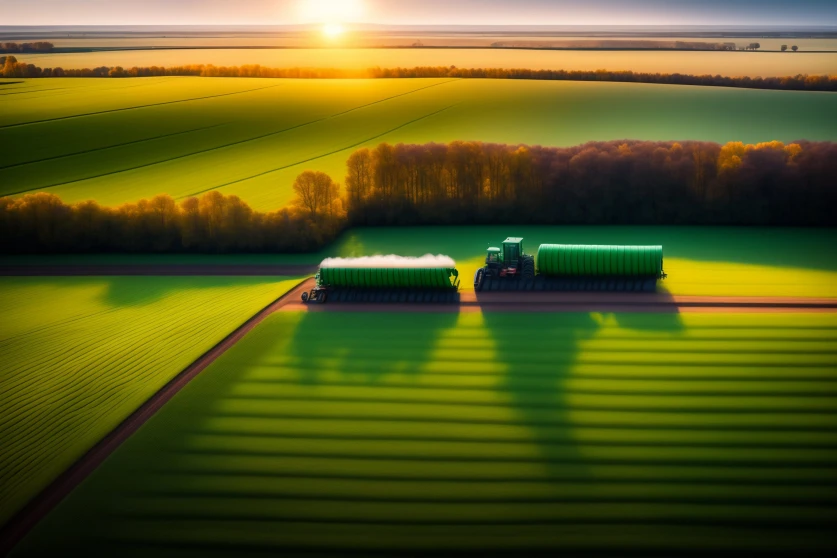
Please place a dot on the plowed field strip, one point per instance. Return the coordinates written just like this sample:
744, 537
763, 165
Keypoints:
100, 149
135, 107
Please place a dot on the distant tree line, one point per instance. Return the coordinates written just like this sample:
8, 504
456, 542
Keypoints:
212, 223
460, 183
622, 182
40, 46
799, 82
13, 68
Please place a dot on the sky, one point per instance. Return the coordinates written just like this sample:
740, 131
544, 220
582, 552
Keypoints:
416, 12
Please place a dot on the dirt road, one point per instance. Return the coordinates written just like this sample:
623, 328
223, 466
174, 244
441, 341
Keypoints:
73, 270
470, 301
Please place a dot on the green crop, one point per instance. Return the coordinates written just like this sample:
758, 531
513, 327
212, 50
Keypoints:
81, 354
477, 431
117, 141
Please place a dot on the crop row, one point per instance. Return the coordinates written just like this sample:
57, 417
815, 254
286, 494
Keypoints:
385, 431
79, 355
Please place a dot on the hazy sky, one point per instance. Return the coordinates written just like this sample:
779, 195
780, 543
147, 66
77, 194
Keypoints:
459, 12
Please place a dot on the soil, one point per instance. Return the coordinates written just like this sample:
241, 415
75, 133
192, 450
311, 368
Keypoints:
72, 270
581, 302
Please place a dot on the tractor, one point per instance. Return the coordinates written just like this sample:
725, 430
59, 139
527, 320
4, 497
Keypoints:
318, 293
511, 263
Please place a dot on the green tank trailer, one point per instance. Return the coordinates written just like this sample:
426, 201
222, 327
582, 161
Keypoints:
372, 283
570, 267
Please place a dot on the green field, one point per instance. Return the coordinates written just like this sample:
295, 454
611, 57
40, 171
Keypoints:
500, 432
121, 140
79, 355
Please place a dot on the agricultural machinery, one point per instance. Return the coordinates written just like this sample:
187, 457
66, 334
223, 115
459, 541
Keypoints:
556, 267
413, 281
570, 267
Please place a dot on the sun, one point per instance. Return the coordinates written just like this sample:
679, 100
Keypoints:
333, 30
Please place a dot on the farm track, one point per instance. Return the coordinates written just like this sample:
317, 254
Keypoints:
469, 301
163, 270
584, 302
43, 503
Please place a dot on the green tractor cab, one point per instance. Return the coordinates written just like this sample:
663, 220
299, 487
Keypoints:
510, 262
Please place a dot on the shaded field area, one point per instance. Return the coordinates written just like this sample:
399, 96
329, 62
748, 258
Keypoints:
365, 432
700, 261
81, 354
116, 141
751, 64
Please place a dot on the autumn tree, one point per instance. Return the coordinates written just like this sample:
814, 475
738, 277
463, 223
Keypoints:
359, 176
316, 194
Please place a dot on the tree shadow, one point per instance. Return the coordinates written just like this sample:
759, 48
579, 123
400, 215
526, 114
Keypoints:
363, 347
121, 291
541, 351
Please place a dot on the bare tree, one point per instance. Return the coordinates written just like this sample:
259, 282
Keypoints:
316, 193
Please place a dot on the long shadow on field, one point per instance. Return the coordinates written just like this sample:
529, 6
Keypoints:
361, 348
541, 351
120, 291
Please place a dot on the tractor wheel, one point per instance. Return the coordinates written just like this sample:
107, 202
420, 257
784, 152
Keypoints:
305, 297
479, 279
529, 268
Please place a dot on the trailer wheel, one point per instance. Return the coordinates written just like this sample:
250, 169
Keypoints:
479, 279
305, 296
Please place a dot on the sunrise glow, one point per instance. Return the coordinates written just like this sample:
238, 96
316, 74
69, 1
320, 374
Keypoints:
332, 30
331, 12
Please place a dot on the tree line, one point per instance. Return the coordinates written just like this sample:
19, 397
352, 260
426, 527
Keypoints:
460, 183
39, 46
598, 183
802, 82
211, 223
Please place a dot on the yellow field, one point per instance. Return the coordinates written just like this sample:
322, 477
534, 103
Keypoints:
725, 63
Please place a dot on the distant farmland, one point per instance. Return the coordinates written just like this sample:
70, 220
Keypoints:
116, 141
368, 431
685, 62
